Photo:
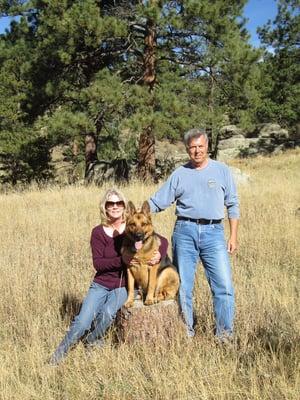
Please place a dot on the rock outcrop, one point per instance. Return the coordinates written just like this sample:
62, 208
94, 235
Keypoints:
266, 139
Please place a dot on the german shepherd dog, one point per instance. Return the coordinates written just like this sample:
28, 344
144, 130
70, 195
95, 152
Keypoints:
158, 282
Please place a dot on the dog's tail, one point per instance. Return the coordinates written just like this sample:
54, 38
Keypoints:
167, 284
166, 262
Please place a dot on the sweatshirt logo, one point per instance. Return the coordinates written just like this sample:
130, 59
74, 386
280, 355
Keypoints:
211, 183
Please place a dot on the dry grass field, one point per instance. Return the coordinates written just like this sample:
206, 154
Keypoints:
45, 255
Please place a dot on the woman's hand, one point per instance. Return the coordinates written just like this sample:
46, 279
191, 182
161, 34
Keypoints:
126, 259
155, 259
129, 260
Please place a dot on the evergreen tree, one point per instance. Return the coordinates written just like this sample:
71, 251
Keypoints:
84, 73
280, 81
200, 49
70, 94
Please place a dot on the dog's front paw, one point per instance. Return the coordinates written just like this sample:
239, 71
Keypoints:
160, 297
149, 302
128, 304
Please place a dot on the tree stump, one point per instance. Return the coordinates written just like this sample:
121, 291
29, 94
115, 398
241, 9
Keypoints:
149, 324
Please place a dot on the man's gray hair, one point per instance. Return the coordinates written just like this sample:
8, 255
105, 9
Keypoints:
192, 134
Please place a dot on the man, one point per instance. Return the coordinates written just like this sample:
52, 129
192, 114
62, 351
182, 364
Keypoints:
200, 189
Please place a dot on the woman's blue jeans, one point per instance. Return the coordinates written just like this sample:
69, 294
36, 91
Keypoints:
99, 309
190, 242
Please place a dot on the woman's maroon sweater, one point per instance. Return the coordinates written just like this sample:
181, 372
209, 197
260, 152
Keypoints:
107, 261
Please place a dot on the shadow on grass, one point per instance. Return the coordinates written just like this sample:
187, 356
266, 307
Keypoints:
70, 307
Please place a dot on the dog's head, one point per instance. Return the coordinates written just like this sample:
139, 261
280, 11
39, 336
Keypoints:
138, 224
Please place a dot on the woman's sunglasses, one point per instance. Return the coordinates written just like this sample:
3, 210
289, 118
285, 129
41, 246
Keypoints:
111, 204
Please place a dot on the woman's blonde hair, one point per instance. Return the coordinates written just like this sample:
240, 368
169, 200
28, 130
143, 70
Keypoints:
107, 195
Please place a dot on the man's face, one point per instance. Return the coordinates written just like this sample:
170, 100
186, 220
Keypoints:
197, 150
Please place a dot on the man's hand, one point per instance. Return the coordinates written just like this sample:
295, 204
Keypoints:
232, 245
232, 242
155, 259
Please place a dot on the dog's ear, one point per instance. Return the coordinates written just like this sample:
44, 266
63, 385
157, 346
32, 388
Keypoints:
130, 208
145, 208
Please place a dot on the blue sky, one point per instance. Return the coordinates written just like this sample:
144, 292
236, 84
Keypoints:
257, 11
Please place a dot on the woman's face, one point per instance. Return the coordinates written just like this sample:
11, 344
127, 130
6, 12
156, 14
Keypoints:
114, 207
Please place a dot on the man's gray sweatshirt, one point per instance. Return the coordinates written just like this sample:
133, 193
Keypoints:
199, 193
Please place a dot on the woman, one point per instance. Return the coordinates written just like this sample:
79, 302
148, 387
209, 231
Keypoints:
107, 292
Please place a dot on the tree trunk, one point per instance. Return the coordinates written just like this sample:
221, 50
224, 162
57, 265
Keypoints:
146, 164
209, 129
90, 155
149, 55
156, 324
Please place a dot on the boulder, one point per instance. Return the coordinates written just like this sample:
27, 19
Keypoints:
175, 152
279, 149
236, 142
273, 131
268, 138
228, 154
237, 147
230, 131
240, 177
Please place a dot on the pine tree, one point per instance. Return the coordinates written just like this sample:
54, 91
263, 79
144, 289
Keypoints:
203, 67
280, 81
69, 95
87, 72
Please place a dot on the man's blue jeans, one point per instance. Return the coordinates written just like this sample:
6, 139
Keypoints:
99, 309
190, 242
